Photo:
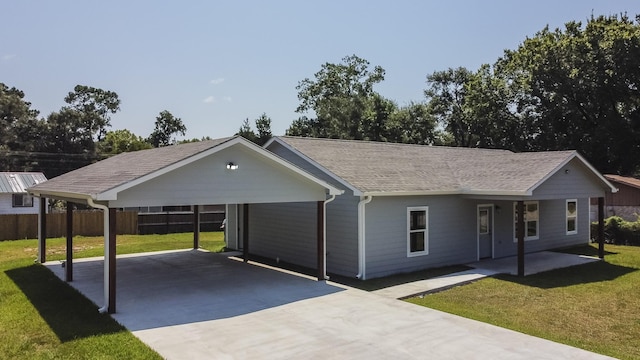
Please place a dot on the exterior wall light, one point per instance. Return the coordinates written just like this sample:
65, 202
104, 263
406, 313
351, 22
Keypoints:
232, 166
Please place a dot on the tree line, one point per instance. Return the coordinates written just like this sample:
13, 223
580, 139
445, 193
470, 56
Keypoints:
570, 88
75, 135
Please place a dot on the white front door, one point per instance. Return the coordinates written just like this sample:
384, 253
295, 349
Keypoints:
485, 231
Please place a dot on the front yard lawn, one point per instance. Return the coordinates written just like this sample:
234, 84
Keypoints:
41, 317
594, 306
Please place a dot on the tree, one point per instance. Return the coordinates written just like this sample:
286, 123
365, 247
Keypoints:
446, 98
246, 131
340, 96
580, 86
95, 105
413, 124
166, 127
119, 141
263, 125
13, 110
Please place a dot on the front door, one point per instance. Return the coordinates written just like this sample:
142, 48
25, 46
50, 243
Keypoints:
485, 231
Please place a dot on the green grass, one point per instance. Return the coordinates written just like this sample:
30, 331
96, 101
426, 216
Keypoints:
594, 306
41, 317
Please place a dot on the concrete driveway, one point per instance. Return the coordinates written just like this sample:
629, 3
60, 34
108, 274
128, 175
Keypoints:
199, 305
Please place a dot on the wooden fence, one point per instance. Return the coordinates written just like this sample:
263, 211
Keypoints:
85, 223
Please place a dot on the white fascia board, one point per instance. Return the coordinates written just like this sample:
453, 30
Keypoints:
112, 194
66, 196
356, 191
448, 192
574, 155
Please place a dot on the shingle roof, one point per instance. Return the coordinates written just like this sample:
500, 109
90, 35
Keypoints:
18, 182
376, 167
633, 182
123, 168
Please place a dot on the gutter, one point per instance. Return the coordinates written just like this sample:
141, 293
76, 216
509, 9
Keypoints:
362, 238
324, 217
107, 238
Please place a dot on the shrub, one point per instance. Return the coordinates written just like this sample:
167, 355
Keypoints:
618, 231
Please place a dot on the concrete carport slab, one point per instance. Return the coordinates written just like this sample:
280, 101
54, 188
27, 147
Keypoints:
199, 305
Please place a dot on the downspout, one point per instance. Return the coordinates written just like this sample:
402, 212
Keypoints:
333, 197
362, 238
105, 209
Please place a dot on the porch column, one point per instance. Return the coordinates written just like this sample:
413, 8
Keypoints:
320, 241
245, 233
68, 265
42, 231
601, 228
109, 260
196, 227
520, 236
112, 260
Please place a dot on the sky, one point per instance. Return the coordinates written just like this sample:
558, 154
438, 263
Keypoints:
216, 63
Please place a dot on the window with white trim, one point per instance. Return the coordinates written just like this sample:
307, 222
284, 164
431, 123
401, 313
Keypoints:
417, 231
572, 216
22, 200
531, 220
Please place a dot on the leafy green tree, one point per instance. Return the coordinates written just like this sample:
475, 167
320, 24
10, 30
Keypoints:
14, 110
247, 132
412, 124
166, 127
340, 96
119, 141
263, 125
186, 141
579, 89
95, 105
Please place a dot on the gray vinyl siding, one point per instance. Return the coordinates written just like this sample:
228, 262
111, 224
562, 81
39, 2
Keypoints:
285, 231
552, 227
342, 236
451, 228
572, 181
206, 181
342, 218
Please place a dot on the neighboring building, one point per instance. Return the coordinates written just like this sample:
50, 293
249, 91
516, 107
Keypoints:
13, 192
625, 203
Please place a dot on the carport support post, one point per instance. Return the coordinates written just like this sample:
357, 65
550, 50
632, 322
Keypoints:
68, 266
42, 231
601, 227
196, 227
111, 259
520, 236
320, 240
245, 232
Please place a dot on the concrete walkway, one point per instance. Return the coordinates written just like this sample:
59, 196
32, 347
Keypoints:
199, 305
534, 263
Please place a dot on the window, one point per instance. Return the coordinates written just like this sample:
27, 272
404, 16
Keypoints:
22, 200
531, 220
417, 234
483, 223
572, 217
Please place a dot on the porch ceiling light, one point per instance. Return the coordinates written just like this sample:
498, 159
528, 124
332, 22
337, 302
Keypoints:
232, 166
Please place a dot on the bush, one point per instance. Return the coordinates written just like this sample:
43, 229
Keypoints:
618, 231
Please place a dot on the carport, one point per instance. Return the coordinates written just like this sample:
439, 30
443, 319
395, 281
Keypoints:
222, 171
